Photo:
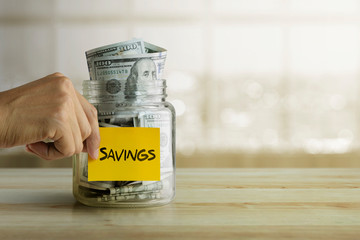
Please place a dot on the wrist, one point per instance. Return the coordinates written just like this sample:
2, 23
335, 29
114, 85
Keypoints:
4, 113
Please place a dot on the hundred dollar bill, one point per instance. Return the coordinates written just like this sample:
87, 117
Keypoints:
120, 65
134, 46
100, 92
131, 47
126, 119
159, 119
151, 48
142, 67
136, 197
104, 91
136, 188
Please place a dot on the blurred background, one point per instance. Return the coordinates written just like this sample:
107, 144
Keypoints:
261, 83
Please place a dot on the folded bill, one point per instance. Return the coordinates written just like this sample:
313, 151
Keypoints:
121, 60
142, 67
134, 46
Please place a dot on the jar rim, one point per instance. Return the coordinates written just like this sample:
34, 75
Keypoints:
94, 82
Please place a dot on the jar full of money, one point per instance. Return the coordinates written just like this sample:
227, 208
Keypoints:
136, 163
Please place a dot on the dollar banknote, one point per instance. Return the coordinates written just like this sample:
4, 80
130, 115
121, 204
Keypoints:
131, 47
119, 58
151, 48
145, 67
112, 68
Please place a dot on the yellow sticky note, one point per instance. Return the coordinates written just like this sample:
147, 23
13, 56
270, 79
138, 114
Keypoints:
127, 154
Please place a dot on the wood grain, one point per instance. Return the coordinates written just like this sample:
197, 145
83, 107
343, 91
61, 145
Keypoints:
209, 204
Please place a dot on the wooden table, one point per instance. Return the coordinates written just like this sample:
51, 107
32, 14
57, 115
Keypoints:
210, 204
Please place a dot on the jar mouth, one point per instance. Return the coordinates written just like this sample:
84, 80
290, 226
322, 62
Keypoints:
99, 82
117, 91
114, 86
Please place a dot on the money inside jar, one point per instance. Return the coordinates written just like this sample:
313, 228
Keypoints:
127, 89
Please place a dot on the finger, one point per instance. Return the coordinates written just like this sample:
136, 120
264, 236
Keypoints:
63, 146
70, 124
76, 133
37, 86
79, 125
81, 117
42, 150
92, 143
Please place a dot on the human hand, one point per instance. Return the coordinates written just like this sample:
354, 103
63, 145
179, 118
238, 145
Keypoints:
49, 109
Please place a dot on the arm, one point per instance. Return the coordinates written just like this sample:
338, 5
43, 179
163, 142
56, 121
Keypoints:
48, 108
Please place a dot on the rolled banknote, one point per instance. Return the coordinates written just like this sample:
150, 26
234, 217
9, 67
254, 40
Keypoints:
83, 161
137, 188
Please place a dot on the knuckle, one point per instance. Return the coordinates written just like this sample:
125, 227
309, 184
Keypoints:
79, 145
78, 150
48, 130
64, 84
86, 131
57, 74
69, 151
60, 114
61, 83
93, 112
65, 99
65, 103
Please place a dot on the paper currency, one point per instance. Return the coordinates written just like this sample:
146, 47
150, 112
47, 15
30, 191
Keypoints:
114, 120
101, 124
102, 92
137, 188
138, 196
134, 46
160, 119
122, 66
115, 72
142, 67
99, 185
116, 61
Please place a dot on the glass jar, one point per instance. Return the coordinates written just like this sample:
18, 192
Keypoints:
124, 104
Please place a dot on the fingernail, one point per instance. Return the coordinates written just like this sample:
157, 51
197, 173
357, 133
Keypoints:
95, 154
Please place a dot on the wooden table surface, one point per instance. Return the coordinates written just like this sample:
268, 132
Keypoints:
209, 204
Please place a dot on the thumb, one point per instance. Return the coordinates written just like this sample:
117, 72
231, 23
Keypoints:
40, 149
